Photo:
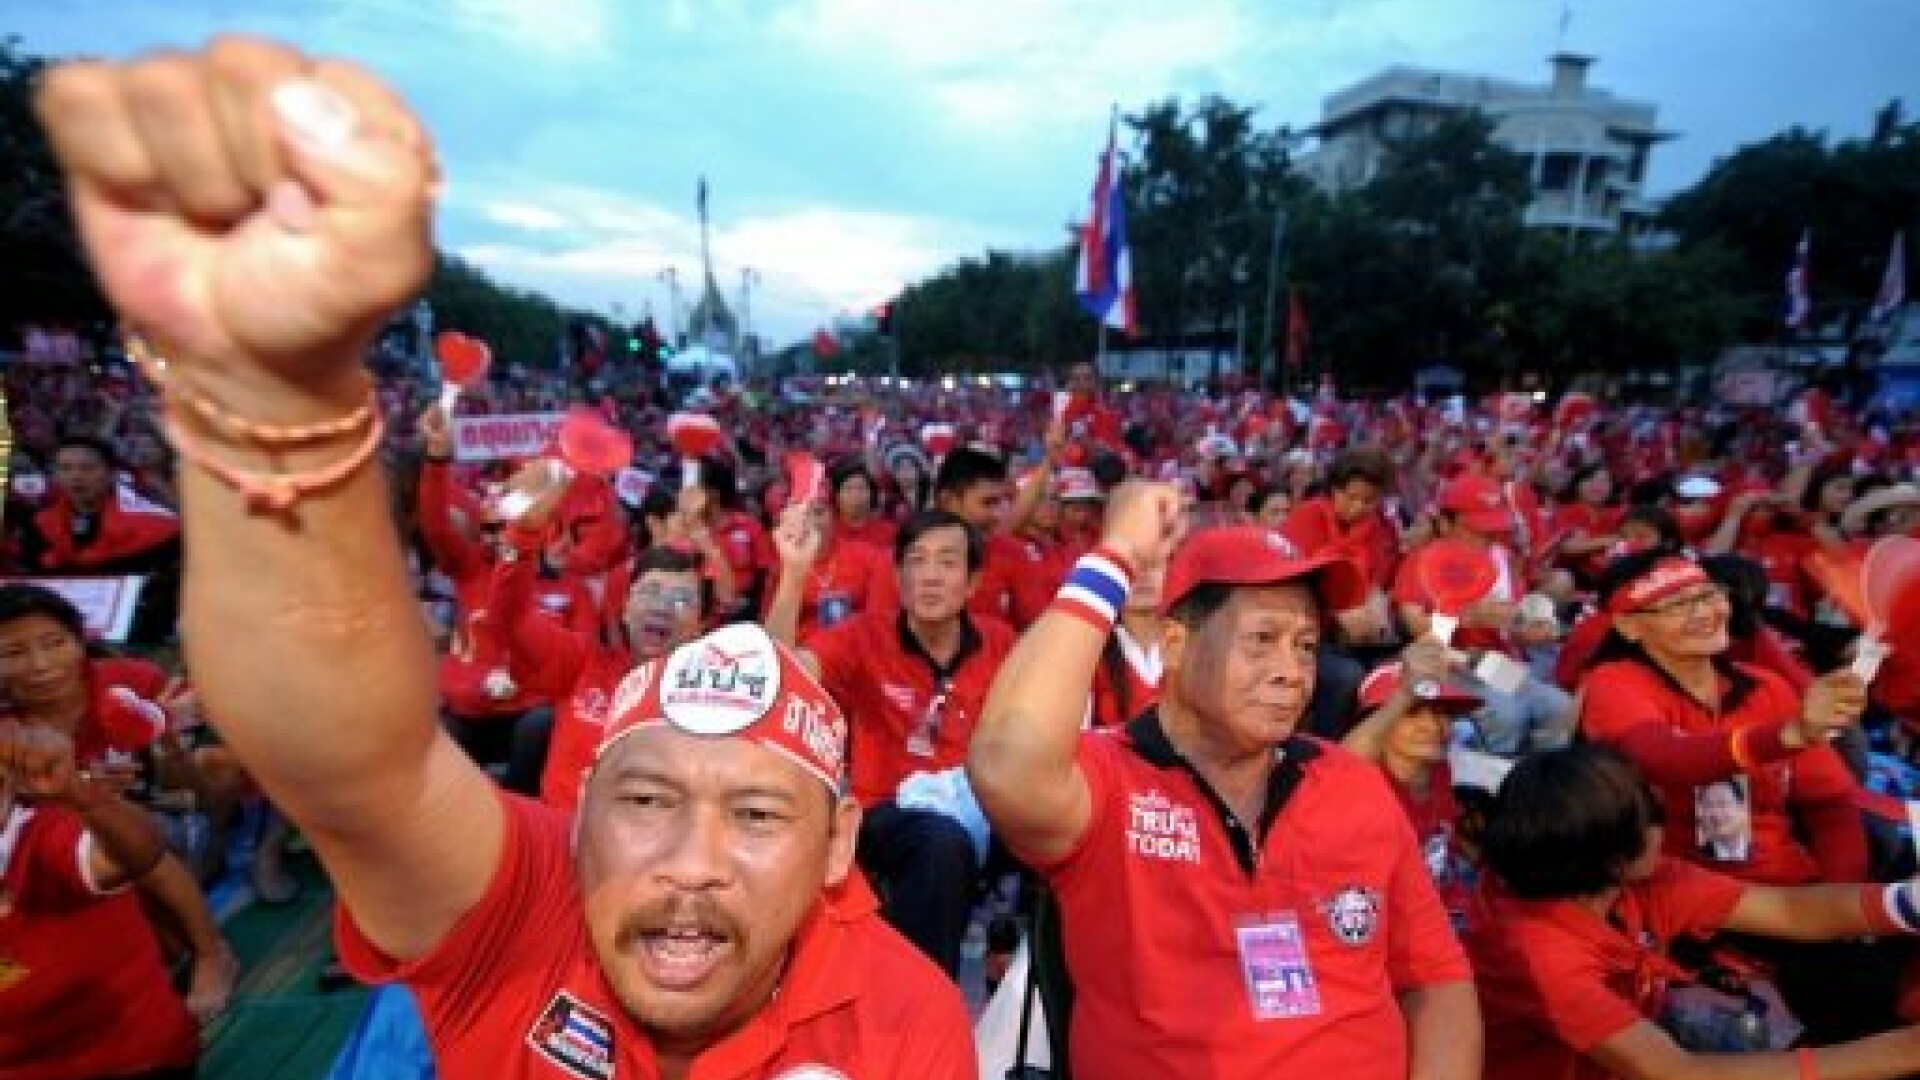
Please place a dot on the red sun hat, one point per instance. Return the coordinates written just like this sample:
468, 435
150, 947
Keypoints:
736, 682
1478, 503
1383, 682
1250, 555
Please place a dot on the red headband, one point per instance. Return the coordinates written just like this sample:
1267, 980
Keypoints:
737, 682
1666, 578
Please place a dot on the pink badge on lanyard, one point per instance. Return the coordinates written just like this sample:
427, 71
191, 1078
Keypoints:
1273, 960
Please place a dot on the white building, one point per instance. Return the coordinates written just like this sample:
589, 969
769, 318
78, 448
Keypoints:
1587, 148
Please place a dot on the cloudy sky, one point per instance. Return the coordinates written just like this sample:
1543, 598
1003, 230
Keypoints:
856, 145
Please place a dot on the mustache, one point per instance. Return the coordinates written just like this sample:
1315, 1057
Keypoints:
679, 912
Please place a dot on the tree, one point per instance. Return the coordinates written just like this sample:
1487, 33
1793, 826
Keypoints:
47, 276
1853, 195
999, 312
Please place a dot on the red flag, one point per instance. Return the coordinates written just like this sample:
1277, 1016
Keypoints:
1298, 333
825, 345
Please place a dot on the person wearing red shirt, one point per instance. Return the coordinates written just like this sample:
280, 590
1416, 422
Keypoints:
912, 683
1411, 707
1237, 901
1127, 682
1537, 715
667, 606
115, 713
1587, 522
1692, 721
693, 920
1575, 966
82, 987
1348, 520
972, 485
95, 526
843, 580
856, 506
744, 541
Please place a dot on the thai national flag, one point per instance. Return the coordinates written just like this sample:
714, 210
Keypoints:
1104, 279
1799, 287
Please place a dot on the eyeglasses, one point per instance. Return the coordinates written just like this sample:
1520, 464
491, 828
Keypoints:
1691, 604
679, 598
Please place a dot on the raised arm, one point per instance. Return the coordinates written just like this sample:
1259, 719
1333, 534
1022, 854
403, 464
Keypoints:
38, 762
1023, 758
259, 215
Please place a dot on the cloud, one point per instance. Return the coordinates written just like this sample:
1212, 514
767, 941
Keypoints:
599, 247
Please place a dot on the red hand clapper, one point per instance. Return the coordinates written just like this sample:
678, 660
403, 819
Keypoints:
939, 439
588, 444
694, 436
1887, 598
463, 364
1455, 576
806, 479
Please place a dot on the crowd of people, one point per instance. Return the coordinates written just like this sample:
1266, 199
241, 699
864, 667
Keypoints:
1525, 737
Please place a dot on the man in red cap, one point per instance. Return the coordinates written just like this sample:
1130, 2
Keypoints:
1237, 900
697, 917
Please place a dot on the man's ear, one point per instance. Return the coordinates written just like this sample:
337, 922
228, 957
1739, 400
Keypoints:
1174, 637
843, 838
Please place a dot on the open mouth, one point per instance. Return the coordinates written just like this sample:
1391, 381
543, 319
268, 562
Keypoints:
682, 957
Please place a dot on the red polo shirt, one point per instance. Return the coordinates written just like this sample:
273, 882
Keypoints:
1682, 746
889, 687
1173, 912
1557, 980
514, 992
82, 990
1369, 542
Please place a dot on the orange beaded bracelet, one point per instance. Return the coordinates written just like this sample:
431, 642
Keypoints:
228, 423
272, 493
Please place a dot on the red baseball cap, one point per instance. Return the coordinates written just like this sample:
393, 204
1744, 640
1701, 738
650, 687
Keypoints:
1251, 555
1383, 682
1478, 502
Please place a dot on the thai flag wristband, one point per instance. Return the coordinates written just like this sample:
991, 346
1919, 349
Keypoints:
1096, 589
1893, 909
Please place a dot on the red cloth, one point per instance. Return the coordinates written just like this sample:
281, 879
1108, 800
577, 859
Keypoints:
128, 527
1782, 556
842, 584
1154, 896
1681, 746
886, 686
499, 993
876, 532
1369, 542
1588, 522
1558, 980
82, 987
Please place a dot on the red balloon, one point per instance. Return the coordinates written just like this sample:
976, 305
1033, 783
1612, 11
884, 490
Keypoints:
1457, 575
463, 360
588, 444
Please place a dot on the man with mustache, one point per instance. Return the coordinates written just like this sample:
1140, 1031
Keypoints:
1237, 900
259, 215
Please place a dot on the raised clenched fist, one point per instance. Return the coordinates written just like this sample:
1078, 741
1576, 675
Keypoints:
255, 212
1142, 522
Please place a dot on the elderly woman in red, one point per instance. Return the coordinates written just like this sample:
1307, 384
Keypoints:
1665, 694
83, 994
1577, 967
